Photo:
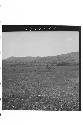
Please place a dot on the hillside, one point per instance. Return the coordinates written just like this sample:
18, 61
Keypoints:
41, 83
69, 58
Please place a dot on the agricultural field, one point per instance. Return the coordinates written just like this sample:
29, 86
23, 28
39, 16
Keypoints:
41, 85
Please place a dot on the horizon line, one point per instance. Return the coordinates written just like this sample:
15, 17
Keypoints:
38, 56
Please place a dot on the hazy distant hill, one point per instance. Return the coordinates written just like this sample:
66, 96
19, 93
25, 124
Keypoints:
69, 58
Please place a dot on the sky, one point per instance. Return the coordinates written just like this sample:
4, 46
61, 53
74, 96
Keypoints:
39, 43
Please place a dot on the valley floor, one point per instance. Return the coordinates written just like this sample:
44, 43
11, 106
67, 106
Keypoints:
40, 88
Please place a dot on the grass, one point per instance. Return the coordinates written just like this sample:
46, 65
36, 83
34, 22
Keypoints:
37, 87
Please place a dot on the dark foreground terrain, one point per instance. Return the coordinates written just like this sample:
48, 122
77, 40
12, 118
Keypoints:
41, 84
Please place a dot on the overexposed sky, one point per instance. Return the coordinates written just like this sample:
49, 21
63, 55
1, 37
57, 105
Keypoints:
39, 43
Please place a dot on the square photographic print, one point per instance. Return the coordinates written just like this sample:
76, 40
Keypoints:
41, 67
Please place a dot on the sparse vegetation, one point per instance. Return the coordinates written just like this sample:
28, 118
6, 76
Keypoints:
39, 85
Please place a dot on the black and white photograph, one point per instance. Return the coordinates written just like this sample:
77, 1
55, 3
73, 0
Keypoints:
41, 67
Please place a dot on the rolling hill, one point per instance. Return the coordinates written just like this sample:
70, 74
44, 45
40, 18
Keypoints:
41, 83
69, 58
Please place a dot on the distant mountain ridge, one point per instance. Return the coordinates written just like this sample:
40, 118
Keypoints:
70, 58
